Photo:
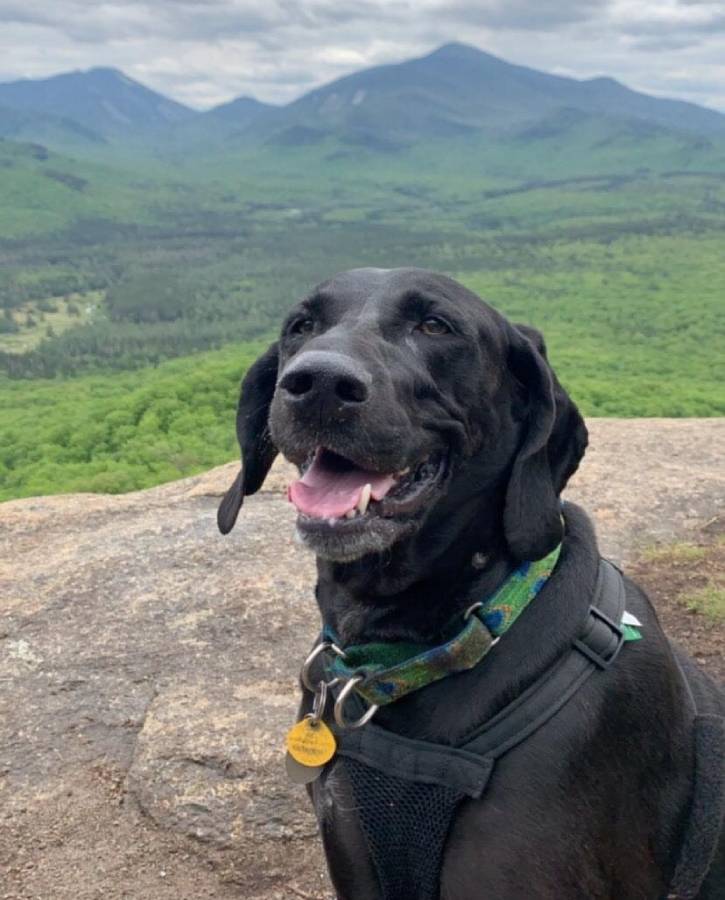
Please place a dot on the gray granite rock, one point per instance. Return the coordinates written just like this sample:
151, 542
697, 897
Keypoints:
148, 668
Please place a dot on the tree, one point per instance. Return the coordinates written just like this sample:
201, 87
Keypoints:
8, 325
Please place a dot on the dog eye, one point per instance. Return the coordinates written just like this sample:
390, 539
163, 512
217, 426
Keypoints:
434, 326
302, 326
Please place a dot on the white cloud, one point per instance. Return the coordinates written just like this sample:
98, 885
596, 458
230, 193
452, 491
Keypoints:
204, 52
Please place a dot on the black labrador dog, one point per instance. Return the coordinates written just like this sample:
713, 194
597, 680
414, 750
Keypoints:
433, 441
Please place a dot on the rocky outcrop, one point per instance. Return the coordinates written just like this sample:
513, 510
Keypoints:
148, 669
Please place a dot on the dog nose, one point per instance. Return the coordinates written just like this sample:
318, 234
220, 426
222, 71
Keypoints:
326, 378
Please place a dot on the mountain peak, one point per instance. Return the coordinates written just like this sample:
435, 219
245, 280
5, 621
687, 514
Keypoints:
456, 52
455, 48
604, 81
239, 111
102, 99
104, 72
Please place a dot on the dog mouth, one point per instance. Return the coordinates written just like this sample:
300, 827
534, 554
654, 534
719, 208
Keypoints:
336, 491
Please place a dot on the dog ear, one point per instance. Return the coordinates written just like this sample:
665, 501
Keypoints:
258, 451
553, 443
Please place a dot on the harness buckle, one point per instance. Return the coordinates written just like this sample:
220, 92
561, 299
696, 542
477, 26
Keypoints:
340, 719
597, 646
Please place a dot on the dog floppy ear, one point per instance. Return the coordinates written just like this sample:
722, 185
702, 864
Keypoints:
258, 451
553, 443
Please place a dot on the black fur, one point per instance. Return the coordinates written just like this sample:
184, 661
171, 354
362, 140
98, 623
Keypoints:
595, 804
258, 452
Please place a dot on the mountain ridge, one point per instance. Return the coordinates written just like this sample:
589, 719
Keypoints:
457, 91
467, 87
103, 100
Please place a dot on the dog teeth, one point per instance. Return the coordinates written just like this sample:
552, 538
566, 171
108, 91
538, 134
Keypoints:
362, 503
351, 513
403, 472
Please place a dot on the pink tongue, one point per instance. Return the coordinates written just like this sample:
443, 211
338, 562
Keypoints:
325, 493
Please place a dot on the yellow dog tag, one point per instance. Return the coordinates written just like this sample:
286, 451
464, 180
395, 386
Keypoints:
311, 743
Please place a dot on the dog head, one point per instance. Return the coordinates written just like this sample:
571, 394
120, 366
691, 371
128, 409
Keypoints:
402, 398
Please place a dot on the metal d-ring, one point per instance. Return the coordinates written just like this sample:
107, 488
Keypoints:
305, 671
471, 609
467, 615
340, 706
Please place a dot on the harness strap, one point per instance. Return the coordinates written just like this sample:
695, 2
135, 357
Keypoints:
407, 791
420, 761
599, 645
468, 768
464, 771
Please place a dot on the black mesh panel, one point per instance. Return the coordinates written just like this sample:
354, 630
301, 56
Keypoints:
405, 824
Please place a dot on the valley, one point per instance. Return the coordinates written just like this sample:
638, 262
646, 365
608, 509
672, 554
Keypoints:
590, 211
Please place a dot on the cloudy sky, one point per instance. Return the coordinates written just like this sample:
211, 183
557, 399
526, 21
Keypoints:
203, 52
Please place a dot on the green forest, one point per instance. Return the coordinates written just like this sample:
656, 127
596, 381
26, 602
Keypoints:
133, 296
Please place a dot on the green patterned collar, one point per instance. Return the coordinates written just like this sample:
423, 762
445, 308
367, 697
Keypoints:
387, 672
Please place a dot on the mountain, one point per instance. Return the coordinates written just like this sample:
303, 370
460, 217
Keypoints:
104, 101
455, 92
55, 131
240, 112
459, 90
210, 129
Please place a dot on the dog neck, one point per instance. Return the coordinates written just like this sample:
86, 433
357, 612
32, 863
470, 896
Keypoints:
529, 648
411, 592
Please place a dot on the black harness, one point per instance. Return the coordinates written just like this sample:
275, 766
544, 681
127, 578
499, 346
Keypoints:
407, 791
